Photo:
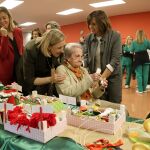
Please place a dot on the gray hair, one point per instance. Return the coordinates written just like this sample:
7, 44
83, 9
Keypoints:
53, 24
69, 49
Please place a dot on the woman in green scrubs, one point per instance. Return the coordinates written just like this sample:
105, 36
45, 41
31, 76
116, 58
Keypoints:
139, 48
126, 61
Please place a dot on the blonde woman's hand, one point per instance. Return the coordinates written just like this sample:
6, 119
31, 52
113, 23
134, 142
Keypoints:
58, 78
3, 31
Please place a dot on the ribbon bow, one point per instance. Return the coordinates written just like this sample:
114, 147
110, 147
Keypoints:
100, 144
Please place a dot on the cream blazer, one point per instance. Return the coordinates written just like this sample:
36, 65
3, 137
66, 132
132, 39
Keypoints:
71, 86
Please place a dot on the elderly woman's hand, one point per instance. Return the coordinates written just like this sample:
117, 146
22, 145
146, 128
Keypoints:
103, 82
95, 76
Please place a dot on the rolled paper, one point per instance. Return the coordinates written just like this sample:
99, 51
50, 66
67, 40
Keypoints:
34, 93
98, 71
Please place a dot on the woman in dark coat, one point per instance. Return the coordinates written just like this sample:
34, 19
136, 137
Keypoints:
103, 50
42, 56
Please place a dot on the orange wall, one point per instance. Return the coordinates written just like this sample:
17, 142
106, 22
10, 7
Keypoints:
72, 31
125, 24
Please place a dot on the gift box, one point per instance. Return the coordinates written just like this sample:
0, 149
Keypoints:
42, 136
4, 106
91, 123
9, 90
49, 104
45, 130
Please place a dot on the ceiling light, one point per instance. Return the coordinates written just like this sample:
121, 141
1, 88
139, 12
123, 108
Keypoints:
69, 11
9, 4
107, 3
27, 24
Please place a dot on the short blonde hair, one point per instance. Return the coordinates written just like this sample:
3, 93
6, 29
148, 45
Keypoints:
50, 38
69, 49
127, 39
11, 23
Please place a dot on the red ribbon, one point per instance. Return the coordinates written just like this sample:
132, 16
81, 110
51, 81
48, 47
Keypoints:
103, 143
10, 91
17, 116
36, 118
11, 100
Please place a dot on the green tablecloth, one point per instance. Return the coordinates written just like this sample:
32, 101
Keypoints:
10, 141
136, 120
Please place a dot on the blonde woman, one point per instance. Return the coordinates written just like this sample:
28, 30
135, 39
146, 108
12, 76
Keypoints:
127, 61
11, 47
139, 48
41, 56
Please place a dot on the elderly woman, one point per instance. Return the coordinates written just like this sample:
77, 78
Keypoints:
78, 81
41, 58
52, 25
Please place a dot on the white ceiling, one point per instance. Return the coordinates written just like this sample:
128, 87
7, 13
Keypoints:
42, 11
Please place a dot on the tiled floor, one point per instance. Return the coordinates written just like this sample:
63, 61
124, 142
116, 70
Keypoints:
138, 105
